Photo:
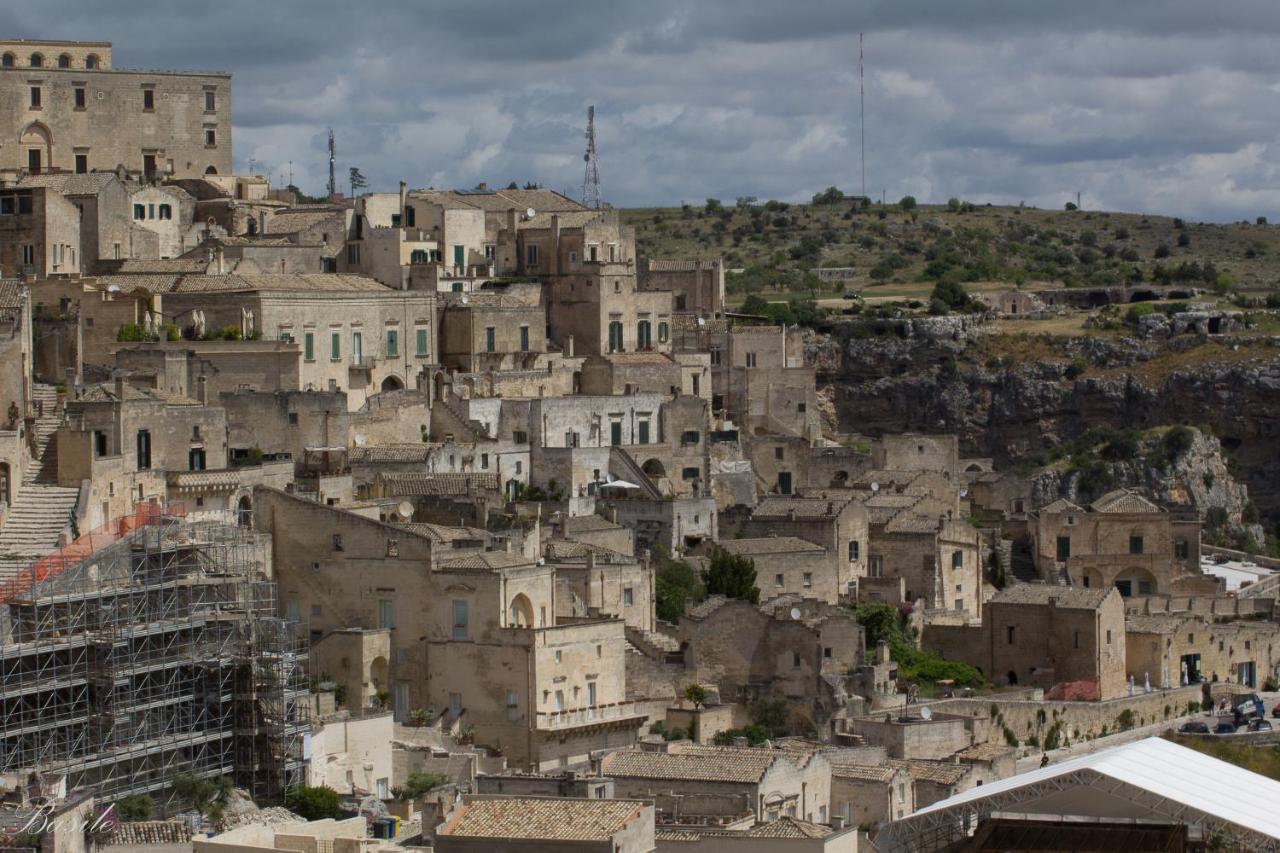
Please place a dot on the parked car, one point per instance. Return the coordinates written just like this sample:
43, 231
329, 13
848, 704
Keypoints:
1194, 727
1224, 728
1260, 726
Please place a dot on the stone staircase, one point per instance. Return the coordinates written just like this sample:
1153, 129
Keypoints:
1021, 564
654, 645
624, 465
42, 511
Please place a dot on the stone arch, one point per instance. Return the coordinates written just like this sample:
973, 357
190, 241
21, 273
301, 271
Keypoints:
1135, 580
244, 511
392, 383
520, 612
91, 61
36, 143
379, 674
211, 171
37, 60
654, 469
8, 60
974, 468
64, 61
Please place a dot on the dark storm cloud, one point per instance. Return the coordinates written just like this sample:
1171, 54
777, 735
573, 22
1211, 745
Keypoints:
1168, 105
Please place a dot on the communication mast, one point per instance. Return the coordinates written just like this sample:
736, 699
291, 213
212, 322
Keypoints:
591, 180
862, 116
333, 156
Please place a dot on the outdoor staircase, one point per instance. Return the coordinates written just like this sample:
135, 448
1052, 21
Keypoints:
42, 511
631, 470
1021, 564
653, 645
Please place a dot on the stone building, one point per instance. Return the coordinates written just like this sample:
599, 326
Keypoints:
696, 287
493, 329
839, 525
870, 794
1122, 540
789, 565
538, 825
68, 108
803, 650
1067, 639
39, 232
936, 557
709, 781
474, 636
1176, 649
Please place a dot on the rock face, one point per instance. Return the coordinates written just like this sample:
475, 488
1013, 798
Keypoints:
1010, 410
1198, 478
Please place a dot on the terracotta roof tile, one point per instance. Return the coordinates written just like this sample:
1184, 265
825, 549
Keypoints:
552, 819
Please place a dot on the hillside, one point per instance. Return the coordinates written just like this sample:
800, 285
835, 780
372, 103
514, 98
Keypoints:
893, 250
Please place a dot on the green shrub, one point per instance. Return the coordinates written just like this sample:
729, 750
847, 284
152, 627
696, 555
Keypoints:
1009, 737
313, 802
1077, 367
1124, 720
131, 333
755, 736
1138, 311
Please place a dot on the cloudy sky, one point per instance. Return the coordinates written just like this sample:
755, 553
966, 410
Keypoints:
1160, 105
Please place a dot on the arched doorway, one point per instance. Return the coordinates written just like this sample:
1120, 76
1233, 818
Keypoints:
211, 171
379, 679
520, 613
392, 383
37, 144
654, 469
1011, 678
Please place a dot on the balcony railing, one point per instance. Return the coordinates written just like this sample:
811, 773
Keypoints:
587, 716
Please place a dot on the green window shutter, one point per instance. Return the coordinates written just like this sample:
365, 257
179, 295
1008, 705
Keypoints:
335, 346
422, 341
392, 342
309, 346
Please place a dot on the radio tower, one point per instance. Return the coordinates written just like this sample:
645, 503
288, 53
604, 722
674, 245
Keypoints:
333, 156
862, 116
591, 181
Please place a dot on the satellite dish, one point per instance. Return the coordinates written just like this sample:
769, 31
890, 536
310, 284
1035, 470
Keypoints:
530, 213
464, 300
113, 288
795, 613
926, 714
875, 487
405, 509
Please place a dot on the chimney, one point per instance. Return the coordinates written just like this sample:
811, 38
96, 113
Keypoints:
591, 560
511, 222
218, 260
262, 223
613, 514
119, 387
403, 221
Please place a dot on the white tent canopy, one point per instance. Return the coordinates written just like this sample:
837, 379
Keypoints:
1151, 778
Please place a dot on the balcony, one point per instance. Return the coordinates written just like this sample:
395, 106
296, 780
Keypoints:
617, 712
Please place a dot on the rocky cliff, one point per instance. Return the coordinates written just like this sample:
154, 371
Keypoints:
1015, 397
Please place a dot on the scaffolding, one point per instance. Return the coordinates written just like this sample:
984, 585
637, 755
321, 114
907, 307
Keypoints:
149, 648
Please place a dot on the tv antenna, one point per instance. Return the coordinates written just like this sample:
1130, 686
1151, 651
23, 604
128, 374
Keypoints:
333, 157
862, 116
591, 180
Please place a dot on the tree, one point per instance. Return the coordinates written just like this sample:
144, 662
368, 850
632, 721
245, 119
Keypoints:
714, 205
207, 796
755, 304
771, 715
313, 802
951, 293
135, 807
1162, 251
697, 694
732, 575
1070, 206
419, 783
1184, 239
676, 586
907, 202
830, 195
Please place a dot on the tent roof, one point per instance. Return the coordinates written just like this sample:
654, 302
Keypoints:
1196, 782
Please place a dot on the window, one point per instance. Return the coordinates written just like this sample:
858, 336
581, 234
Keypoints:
801, 407
293, 419
795, 660
196, 459
690, 436
357, 347
139, 211
353, 253
484, 461
210, 137
82, 164
91, 61
1076, 639
7, 60
143, 445
1108, 637
80, 100
309, 346
37, 60
1144, 588
35, 97
615, 336
751, 359
531, 255
957, 560
628, 596
456, 287
460, 629
149, 100
151, 211
1064, 548
777, 453
524, 339
99, 443
1181, 549
1009, 633
689, 473
875, 566
210, 102
644, 433
715, 356
64, 61
489, 339
166, 211
853, 551
664, 333
386, 613
784, 482
615, 433
644, 338
808, 580
420, 341
393, 342
29, 257
778, 580
335, 346
1135, 544
25, 203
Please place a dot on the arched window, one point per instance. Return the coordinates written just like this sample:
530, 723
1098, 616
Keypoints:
64, 61
166, 212
91, 61
664, 332
36, 60
7, 60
